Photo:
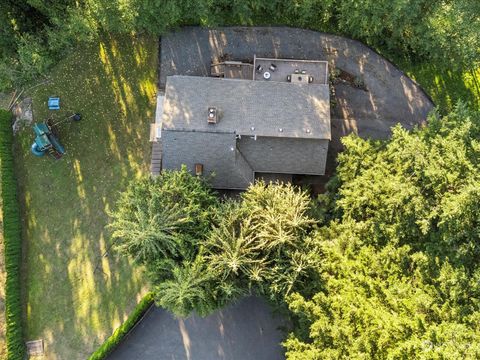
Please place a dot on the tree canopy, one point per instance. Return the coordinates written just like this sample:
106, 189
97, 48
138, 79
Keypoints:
383, 265
36, 33
398, 263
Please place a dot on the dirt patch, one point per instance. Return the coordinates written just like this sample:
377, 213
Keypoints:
23, 114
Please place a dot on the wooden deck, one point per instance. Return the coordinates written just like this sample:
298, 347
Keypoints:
156, 163
232, 70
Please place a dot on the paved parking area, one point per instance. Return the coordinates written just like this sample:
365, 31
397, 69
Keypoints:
244, 331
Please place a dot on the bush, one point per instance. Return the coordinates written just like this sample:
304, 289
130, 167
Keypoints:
13, 242
161, 217
112, 342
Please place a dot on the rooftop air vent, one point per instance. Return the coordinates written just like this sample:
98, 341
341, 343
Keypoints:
212, 115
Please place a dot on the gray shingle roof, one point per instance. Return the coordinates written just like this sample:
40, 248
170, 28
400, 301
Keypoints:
285, 155
217, 153
300, 110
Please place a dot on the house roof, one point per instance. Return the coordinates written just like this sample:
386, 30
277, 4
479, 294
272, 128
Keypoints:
275, 109
285, 155
217, 152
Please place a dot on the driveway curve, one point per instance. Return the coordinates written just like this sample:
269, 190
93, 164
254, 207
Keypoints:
246, 330
388, 96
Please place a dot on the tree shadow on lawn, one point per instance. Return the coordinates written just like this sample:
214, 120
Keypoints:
446, 86
77, 291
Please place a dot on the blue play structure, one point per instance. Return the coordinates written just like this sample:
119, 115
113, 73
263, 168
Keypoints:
46, 139
54, 103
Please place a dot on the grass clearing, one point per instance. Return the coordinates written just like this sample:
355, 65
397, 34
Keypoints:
446, 86
74, 296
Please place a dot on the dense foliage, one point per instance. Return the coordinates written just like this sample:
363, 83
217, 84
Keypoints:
399, 263
384, 265
12, 233
113, 341
200, 253
161, 217
35, 33
160, 223
256, 244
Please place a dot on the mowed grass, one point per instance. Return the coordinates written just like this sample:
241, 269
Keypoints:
445, 85
76, 290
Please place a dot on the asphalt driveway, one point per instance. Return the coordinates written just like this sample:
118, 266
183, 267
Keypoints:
389, 96
246, 330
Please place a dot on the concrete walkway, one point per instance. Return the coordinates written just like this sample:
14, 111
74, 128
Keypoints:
244, 331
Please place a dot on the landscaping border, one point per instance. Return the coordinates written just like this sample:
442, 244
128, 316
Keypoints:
12, 233
123, 330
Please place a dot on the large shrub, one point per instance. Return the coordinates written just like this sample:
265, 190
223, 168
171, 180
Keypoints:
12, 233
388, 302
259, 241
201, 253
419, 188
163, 217
160, 222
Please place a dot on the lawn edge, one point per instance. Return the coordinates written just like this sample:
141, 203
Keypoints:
124, 330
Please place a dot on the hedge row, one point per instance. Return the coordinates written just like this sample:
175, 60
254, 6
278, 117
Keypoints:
112, 342
12, 233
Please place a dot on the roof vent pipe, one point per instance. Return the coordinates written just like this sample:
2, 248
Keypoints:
212, 115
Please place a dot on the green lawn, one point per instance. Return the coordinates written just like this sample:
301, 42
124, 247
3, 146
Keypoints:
446, 86
74, 296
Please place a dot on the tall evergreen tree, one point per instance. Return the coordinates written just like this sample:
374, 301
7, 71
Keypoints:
398, 267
